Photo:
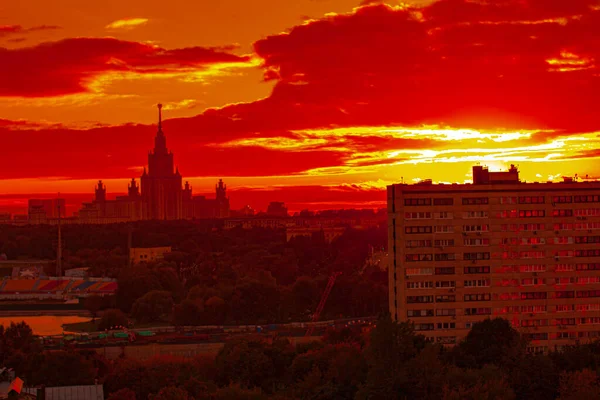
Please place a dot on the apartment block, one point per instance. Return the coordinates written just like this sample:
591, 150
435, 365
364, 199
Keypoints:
499, 247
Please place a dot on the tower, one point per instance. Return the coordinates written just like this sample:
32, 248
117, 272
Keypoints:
133, 189
161, 187
100, 192
187, 192
221, 200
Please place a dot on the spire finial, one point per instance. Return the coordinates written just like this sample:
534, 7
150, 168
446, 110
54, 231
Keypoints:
159, 116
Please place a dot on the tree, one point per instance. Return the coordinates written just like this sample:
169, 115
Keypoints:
152, 306
579, 385
492, 341
215, 309
235, 392
244, 362
533, 377
134, 283
170, 393
112, 318
61, 368
187, 313
391, 346
122, 394
487, 383
94, 304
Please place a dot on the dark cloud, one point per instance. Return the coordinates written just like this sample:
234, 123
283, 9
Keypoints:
68, 66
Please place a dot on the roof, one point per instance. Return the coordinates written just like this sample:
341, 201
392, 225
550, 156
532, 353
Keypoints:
90, 392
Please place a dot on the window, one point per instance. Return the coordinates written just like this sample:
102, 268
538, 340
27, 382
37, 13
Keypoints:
509, 282
563, 226
536, 336
475, 214
477, 283
534, 322
419, 285
478, 297
534, 295
587, 212
419, 271
563, 240
507, 214
510, 241
586, 226
446, 325
411, 244
444, 242
443, 201
533, 309
562, 213
445, 284
417, 202
446, 339
566, 307
587, 280
509, 296
590, 320
588, 293
564, 321
508, 200
445, 298
566, 294
419, 313
445, 312
533, 281
586, 199
562, 199
418, 257
477, 242
478, 311
477, 270
443, 215
444, 271
417, 229
564, 267
476, 256
531, 213
586, 307
532, 268
587, 253
588, 267
444, 229
417, 215
419, 299
531, 254
445, 257
476, 228
564, 280
587, 239
469, 201
533, 240
532, 200
424, 327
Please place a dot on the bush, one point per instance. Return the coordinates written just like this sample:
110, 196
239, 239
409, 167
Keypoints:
112, 318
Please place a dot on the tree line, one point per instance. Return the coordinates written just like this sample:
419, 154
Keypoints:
390, 361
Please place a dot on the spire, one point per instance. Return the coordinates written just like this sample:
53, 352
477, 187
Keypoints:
160, 141
159, 117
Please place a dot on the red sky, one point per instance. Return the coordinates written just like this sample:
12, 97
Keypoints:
319, 103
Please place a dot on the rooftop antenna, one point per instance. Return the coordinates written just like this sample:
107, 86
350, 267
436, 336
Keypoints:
59, 246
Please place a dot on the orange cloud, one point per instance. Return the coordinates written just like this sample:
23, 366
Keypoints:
127, 23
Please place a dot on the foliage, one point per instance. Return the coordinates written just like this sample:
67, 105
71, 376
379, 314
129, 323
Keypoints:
152, 306
577, 385
112, 318
170, 393
122, 394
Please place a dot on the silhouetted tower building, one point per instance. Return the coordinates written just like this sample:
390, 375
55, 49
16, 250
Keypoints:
222, 201
133, 189
161, 187
187, 192
100, 192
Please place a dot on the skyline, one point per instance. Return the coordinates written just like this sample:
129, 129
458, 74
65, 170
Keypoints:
337, 98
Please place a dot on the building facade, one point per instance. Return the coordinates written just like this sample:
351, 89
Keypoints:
527, 252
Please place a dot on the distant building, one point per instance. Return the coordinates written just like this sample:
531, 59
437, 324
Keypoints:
50, 207
5, 218
277, 209
498, 247
77, 273
329, 233
147, 254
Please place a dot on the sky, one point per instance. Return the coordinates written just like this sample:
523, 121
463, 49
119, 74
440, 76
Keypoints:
318, 103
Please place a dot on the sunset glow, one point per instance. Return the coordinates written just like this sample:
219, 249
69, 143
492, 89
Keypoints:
316, 103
